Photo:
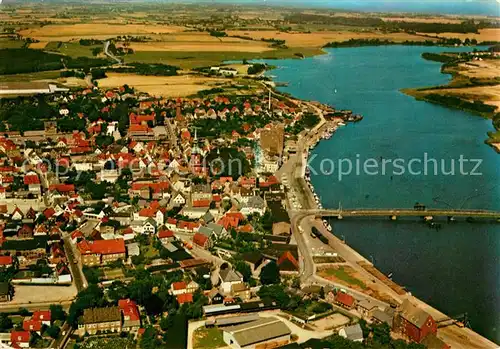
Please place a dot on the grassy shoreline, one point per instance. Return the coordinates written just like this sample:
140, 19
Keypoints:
441, 94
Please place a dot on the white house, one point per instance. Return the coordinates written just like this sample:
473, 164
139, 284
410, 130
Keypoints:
229, 277
149, 226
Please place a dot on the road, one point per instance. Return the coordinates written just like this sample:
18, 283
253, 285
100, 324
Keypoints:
408, 212
74, 263
107, 53
9, 308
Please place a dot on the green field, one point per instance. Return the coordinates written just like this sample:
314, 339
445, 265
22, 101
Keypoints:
341, 274
43, 75
72, 49
108, 343
208, 338
148, 251
5, 43
114, 274
189, 60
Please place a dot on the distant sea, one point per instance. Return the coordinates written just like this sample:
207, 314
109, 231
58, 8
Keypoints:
464, 7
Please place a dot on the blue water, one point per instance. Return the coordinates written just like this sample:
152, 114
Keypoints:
456, 269
459, 7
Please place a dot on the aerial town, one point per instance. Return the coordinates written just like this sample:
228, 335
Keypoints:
134, 221
156, 180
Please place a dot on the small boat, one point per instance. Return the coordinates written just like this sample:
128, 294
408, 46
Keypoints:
341, 124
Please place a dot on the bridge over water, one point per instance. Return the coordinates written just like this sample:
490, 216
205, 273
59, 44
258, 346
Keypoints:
394, 213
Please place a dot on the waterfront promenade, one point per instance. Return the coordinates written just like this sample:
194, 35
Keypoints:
403, 212
308, 216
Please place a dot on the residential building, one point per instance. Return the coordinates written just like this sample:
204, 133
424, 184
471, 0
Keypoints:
101, 251
202, 241
344, 300
107, 319
185, 298
20, 339
353, 333
414, 322
263, 333
131, 315
241, 291
229, 277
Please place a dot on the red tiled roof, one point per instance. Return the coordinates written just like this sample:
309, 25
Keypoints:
147, 212
31, 179
188, 225
164, 234
20, 337
287, 256
136, 128
115, 246
247, 228
185, 298
62, 188
229, 222
42, 315
201, 203
129, 309
49, 212
32, 325
180, 285
345, 299
200, 239
5, 260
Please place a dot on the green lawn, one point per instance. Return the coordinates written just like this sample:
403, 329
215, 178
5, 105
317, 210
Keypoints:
11, 43
114, 274
208, 338
72, 49
148, 251
341, 274
108, 343
189, 60
43, 75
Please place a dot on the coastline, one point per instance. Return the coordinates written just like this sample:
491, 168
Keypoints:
437, 314
451, 334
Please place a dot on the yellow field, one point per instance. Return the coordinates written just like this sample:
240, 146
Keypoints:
248, 46
481, 69
96, 30
39, 45
491, 34
423, 19
164, 86
319, 39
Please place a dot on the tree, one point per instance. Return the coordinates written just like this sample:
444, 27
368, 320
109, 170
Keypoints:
5, 322
53, 331
150, 339
382, 333
57, 312
270, 274
244, 270
274, 293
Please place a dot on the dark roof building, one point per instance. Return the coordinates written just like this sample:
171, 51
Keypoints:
259, 332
